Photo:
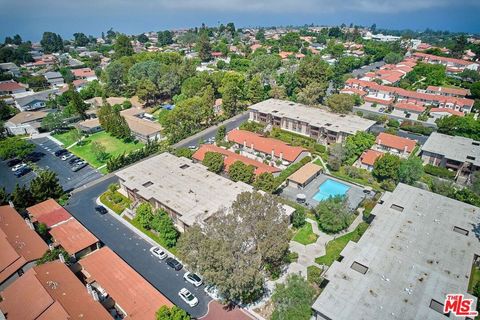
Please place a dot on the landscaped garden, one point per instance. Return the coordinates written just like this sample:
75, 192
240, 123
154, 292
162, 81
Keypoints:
115, 200
67, 138
305, 235
335, 246
111, 145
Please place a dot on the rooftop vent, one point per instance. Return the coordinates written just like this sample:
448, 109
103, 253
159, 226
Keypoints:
438, 306
396, 208
475, 143
460, 230
470, 158
147, 184
359, 267
184, 166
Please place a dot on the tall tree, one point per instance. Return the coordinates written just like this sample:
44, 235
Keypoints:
313, 69
239, 171
123, 46
410, 170
80, 39
333, 214
233, 93
386, 167
15, 147
341, 103
22, 198
293, 299
45, 186
219, 251
51, 42
172, 313
213, 161
164, 38
256, 92
265, 182
204, 48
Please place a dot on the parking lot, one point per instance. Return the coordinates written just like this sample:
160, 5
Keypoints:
68, 179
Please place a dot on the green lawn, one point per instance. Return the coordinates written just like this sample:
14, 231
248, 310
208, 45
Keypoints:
151, 235
336, 246
113, 147
305, 235
116, 202
474, 278
67, 138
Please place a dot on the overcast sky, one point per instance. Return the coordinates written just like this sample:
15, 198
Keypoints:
30, 18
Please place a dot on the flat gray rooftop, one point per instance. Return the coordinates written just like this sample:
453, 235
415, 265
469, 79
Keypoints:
187, 188
454, 147
411, 255
314, 116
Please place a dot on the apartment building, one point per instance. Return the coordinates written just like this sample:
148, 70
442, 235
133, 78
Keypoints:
396, 145
420, 247
387, 95
448, 92
458, 154
263, 148
453, 65
323, 126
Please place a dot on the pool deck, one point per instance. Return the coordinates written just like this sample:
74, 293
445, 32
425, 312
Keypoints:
355, 194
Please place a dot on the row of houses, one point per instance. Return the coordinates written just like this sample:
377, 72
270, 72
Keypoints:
390, 74
76, 287
386, 95
452, 65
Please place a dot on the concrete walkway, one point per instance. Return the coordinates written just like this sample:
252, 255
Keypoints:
323, 164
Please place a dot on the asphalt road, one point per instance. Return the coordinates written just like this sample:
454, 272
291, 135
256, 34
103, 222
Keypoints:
367, 68
210, 132
133, 249
68, 179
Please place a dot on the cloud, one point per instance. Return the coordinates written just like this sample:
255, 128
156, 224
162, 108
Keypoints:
241, 6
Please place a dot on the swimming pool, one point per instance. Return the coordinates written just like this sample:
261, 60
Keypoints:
330, 188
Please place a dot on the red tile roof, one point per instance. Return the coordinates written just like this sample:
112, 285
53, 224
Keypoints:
10, 86
83, 72
447, 110
128, 289
369, 156
266, 145
50, 291
231, 157
425, 56
72, 236
378, 100
361, 93
409, 106
409, 94
49, 212
18, 243
455, 91
395, 142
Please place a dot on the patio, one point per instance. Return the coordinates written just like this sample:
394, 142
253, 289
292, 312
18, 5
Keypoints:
355, 194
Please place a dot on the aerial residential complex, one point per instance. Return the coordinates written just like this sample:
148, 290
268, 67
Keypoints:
186, 190
323, 126
419, 247
459, 154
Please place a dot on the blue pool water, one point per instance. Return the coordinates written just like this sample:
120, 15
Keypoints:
330, 188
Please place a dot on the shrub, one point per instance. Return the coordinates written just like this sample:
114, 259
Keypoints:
416, 128
320, 148
393, 123
252, 126
298, 217
439, 171
314, 275
333, 214
291, 257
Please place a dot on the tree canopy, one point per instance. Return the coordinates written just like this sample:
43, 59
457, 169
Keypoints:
333, 214
219, 251
293, 299
213, 161
12, 147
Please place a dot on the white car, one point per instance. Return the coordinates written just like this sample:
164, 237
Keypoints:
188, 297
159, 253
67, 156
19, 166
193, 279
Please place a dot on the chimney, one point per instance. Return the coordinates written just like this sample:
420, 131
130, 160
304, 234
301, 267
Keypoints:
61, 257
273, 153
251, 146
405, 149
281, 156
244, 143
379, 142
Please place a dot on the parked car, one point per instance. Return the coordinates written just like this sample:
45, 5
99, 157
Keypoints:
13, 162
159, 253
60, 152
73, 160
193, 279
192, 147
19, 166
188, 297
174, 263
34, 156
101, 209
66, 156
79, 166
22, 171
